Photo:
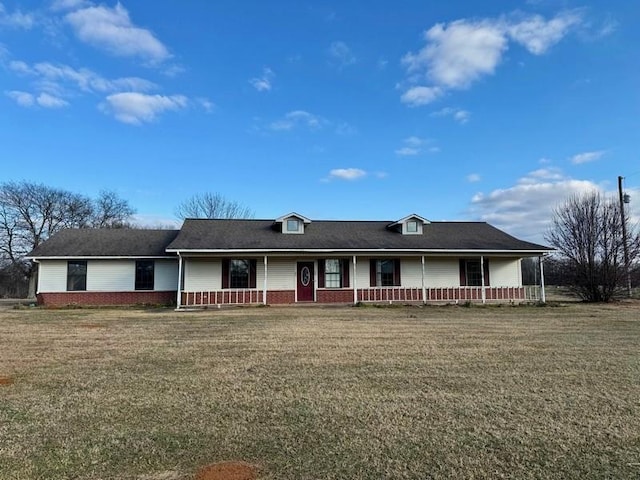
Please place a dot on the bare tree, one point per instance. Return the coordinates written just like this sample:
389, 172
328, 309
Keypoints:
212, 205
32, 212
587, 233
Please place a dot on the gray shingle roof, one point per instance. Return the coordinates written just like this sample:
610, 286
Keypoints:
106, 243
199, 234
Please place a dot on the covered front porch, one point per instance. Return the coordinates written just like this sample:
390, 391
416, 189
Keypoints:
364, 278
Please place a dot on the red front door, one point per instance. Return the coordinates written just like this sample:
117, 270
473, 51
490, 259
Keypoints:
305, 282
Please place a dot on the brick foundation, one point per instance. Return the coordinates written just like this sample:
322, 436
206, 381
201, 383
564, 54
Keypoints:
60, 299
281, 297
331, 295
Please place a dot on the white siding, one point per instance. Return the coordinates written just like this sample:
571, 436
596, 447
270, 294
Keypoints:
442, 272
202, 275
281, 274
362, 272
411, 272
111, 275
52, 276
106, 275
504, 272
166, 275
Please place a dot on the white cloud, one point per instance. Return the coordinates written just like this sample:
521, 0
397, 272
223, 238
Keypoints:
459, 115
537, 34
459, 53
111, 29
417, 96
413, 146
347, 173
137, 108
17, 19
207, 104
407, 151
60, 5
473, 178
24, 99
586, 157
298, 118
56, 76
341, 55
50, 101
44, 100
526, 209
263, 83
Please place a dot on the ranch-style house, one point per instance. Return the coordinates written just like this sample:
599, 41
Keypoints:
289, 260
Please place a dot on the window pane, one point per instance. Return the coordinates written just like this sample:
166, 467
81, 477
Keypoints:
144, 274
332, 276
292, 225
385, 273
412, 226
239, 274
474, 273
76, 275
332, 265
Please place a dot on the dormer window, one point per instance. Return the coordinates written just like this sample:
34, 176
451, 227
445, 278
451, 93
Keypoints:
410, 225
293, 225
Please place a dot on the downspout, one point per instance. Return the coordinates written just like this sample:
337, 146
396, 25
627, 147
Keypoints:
355, 282
179, 296
543, 296
484, 293
37, 264
264, 289
424, 289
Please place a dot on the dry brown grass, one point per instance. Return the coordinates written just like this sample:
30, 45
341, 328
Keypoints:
305, 393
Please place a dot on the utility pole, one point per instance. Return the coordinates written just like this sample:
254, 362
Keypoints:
625, 245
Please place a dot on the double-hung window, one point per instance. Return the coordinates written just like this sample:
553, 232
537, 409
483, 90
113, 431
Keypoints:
76, 275
471, 272
333, 273
145, 274
385, 272
239, 273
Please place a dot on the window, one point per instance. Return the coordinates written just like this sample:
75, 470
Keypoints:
76, 275
412, 226
385, 273
293, 225
144, 274
332, 273
238, 273
471, 273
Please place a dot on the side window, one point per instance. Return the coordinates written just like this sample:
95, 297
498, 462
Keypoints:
145, 274
332, 273
471, 272
76, 275
239, 274
385, 272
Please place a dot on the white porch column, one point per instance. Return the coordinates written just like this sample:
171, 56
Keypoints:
355, 282
264, 288
484, 293
424, 288
543, 297
179, 299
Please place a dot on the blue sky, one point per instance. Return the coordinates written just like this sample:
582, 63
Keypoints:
458, 110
